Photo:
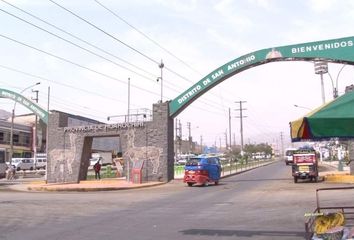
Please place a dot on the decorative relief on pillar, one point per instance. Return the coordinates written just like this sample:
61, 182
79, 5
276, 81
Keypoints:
63, 158
134, 153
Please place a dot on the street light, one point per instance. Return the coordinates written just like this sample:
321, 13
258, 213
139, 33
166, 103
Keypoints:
321, 68
161, 65
302, 107
12, 124
335, 87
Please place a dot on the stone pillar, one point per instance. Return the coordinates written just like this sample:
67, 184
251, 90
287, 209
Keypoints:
64, 151
160, 134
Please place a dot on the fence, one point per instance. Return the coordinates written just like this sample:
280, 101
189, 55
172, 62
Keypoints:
230, 167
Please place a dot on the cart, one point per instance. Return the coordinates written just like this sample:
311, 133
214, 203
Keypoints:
348, 211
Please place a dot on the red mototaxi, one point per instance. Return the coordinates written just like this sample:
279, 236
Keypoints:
202, 170
305, 165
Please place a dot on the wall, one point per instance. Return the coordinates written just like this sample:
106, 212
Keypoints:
69, 148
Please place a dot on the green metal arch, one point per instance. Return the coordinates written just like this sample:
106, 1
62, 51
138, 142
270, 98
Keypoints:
40, 112
339, 50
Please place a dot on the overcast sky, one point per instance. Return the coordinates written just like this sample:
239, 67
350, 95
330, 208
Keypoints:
192, 38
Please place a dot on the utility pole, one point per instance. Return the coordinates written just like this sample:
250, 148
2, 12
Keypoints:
282, 144
128, 100
201, 144
226, 140
35, 129
230, 129
180, 136
177, 139
189, 137
241, 122
234, 136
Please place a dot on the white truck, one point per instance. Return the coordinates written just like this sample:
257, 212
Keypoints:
105, 158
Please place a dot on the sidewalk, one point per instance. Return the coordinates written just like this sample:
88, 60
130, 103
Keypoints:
83, 186
330, 173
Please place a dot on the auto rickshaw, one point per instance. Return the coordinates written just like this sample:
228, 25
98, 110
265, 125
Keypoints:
202, 170
305, 164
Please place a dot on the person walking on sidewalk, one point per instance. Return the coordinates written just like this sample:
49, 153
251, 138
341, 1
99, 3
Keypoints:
10, 172
97, 168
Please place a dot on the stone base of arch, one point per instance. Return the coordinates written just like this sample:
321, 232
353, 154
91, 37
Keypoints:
69, 147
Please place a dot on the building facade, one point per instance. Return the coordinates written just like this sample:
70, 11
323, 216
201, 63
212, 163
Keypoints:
22, 139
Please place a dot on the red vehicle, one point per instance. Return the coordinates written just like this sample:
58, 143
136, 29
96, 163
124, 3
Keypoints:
305, 164
202, 170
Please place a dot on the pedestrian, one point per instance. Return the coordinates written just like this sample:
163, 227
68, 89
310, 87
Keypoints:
10, 172
97, 168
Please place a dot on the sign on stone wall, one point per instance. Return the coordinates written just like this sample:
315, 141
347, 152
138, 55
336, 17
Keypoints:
103, 127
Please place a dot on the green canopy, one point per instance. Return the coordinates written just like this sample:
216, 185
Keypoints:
332, 120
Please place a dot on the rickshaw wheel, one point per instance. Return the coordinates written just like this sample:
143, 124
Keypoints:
216, 182
190, 184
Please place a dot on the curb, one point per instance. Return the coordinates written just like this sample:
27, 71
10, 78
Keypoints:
339, 178
86, 187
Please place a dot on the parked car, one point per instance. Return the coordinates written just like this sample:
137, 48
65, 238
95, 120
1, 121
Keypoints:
202, 170
23, 163
182, 161
40, 163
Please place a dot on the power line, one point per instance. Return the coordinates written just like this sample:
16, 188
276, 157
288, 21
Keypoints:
80, 39
59, 83
174, 89
103, 31
74, 44
79, 89
147, 37
115, 38
71, 106
73, 63
118, 40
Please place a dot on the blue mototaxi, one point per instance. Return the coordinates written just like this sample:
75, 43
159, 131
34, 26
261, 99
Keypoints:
202, 170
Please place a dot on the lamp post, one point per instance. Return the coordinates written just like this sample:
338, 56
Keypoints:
161, 65
321, 68
35, 129
12, 124
295, 105
335, 87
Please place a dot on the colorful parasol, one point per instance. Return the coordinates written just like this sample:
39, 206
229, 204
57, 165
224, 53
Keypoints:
334, 119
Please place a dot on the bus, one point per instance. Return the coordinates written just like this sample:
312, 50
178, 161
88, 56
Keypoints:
3, 165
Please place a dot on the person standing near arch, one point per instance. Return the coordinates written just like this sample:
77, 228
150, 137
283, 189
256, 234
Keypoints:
97, 168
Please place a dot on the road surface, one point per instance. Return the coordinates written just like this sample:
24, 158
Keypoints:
263, 203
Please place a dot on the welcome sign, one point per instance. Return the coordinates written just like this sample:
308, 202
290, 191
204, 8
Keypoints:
41, 113
336, 50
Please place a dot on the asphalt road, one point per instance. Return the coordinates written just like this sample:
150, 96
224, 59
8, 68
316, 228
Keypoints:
263, 203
